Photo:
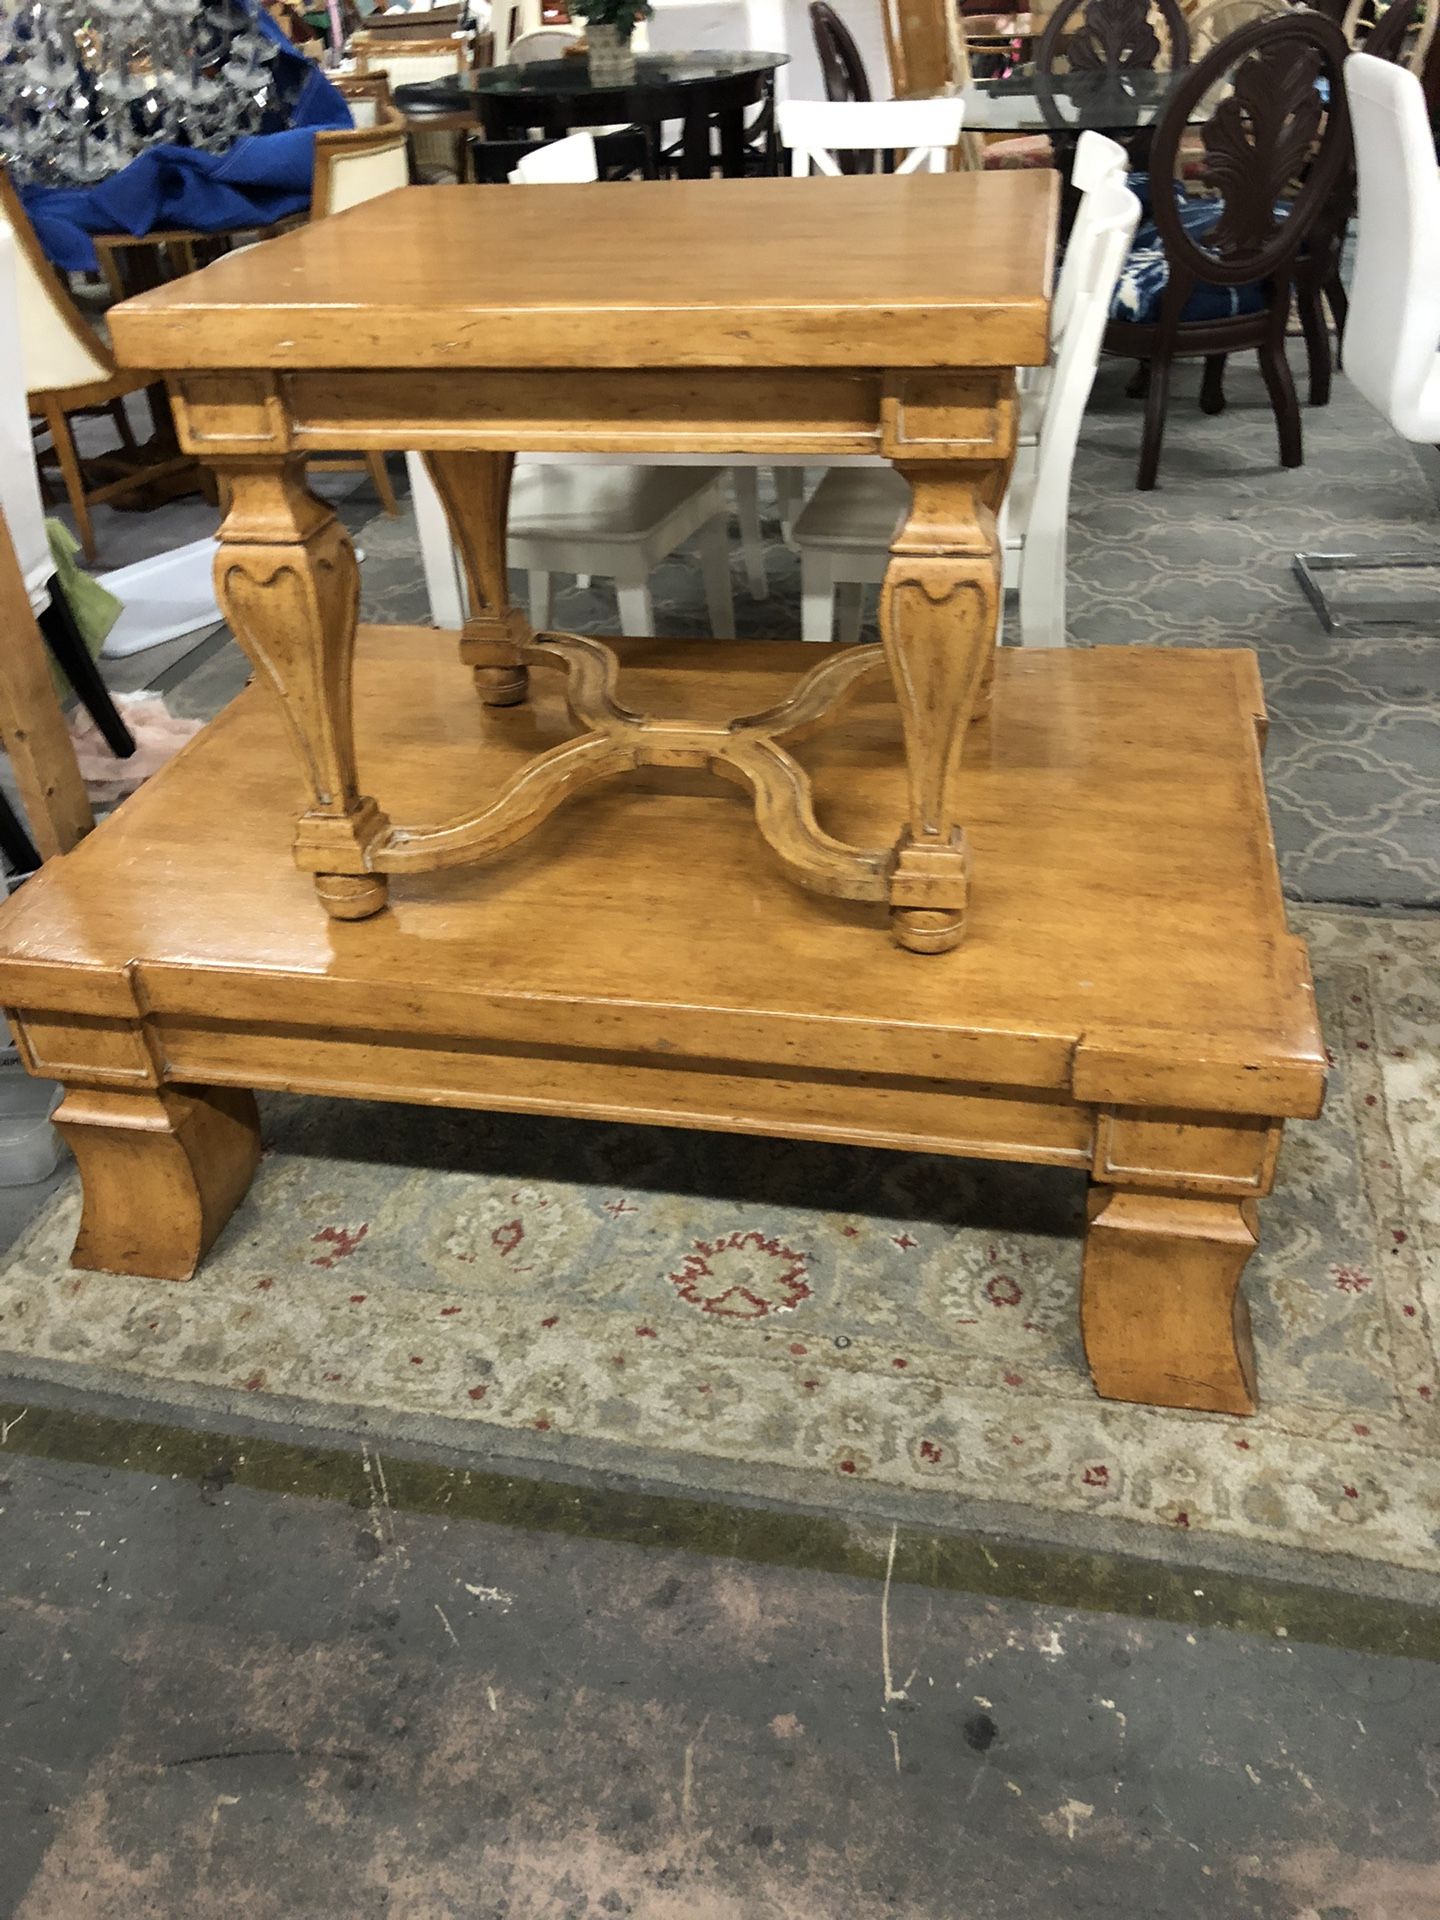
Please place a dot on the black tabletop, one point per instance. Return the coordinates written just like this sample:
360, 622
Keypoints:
569, 79
1070, 102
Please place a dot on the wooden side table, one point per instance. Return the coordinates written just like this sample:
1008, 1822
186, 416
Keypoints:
1129, 1002
814, 317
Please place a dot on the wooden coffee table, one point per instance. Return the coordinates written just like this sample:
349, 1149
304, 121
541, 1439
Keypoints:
816, 317
1127, 1000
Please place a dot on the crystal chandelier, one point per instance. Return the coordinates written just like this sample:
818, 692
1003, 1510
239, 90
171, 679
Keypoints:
86, 85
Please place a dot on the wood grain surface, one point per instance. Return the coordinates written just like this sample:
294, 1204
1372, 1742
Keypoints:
928, 270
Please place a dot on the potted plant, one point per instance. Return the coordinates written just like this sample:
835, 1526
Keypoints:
608, 27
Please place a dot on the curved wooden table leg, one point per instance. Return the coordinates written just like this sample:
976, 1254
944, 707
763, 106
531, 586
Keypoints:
1163, 1317
939, 609
286, 578
474, 489
162, 1171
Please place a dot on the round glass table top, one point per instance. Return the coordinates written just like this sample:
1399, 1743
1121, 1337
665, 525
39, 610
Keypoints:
1069, 102
569, 79
572, 75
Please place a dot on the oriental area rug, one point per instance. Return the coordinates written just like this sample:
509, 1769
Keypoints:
860, 1333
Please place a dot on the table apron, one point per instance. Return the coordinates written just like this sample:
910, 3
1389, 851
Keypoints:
510, 1069
903, 414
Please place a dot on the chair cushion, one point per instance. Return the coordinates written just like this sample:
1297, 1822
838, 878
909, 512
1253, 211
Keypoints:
854, 509
628, 501
1141, 286
1024, 150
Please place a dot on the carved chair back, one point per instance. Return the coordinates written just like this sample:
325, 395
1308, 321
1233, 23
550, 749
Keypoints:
841, 68
1398, 34
1113, 37
1274, 150
1217, 19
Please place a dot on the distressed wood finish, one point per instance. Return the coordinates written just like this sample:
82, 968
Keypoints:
626, 275
286, 578
474, 489
703, 318
1092, 1021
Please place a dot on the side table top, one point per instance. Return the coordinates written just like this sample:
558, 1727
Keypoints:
922, 270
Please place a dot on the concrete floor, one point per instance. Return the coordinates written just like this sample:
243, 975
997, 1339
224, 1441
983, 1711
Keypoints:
218, 1700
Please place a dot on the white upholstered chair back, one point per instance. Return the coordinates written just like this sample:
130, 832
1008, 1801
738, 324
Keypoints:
408, 63
1392, 331
354, 167
19, 487
57, 349
542, 43
569, 161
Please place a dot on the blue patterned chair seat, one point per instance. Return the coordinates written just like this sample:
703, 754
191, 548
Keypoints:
1141, 286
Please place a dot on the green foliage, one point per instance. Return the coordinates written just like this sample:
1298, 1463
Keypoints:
612, 13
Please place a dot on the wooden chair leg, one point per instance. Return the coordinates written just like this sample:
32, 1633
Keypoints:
67, 644
32, 728
1212, 385
745, 482
1279, 384
1310, 301
537, 586
1139, 382
1157, 396
380, 480
64, 443
849, 611
713, 545
1338, 301
817, 597
637, 609
15, 843
121, 421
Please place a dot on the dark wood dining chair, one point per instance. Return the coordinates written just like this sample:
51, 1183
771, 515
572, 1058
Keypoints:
1230, 259
1113, 37
841, 69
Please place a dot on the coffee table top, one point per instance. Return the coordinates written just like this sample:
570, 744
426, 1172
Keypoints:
1126, 941
924, 270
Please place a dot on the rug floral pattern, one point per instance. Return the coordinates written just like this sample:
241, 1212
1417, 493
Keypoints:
764, 1315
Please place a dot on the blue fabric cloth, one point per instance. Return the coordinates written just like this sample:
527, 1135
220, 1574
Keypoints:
1141, 286
262, 178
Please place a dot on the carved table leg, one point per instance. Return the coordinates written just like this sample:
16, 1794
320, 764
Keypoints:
287, 581
474, 489
162, 1171
939, 609
1163, 1317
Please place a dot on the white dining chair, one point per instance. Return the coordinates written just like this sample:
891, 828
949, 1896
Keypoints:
1392, 332
569, 162
1099, 162
352, 165
512, 19
355, 164
845, 530
19, 483
436, 154
816, 131
618, 520
541, 43
67, 368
